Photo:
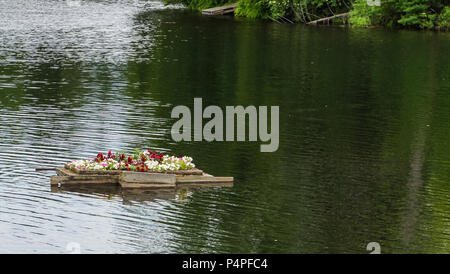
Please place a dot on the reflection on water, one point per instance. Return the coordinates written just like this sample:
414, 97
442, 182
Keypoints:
364, 124
180, 194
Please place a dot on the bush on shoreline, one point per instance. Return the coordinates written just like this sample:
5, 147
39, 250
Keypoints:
418, 14
443, 21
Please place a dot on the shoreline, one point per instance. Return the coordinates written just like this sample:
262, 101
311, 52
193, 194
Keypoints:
356, 17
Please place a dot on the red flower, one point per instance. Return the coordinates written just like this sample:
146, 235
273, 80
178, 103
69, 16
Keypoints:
130, 160
100, 157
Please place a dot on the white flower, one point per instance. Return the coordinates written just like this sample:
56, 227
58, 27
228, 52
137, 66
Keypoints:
167, 163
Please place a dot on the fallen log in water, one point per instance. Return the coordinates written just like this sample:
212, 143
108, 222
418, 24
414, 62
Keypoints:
327, 19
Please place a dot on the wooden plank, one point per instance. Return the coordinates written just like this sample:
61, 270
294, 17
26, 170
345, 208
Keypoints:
220, 10
56, 180
75, 176
145, 186
69, 180
199, 186
64, 172
89, 189
195, 179
147, 178
193, 171
69, 177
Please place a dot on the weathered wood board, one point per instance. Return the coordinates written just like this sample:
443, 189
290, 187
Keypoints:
220, 10
202, 179
147, 177
193, 171
66, 176
130, 179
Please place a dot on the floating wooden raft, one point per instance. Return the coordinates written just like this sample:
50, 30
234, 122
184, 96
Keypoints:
135, 180
220, 10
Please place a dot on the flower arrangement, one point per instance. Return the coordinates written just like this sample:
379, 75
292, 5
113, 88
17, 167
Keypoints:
140, 161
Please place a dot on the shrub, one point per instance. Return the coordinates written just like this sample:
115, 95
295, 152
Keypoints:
443, 21
417, 13
252, 9
364, 15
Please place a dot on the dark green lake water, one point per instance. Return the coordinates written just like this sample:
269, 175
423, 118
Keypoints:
364, 151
